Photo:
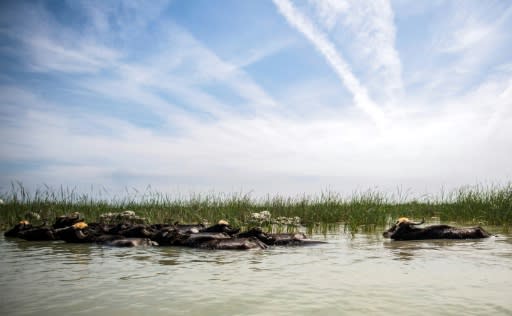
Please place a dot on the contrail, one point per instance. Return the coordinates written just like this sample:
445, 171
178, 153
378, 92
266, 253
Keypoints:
326, 48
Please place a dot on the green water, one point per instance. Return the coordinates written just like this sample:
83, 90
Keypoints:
349, 275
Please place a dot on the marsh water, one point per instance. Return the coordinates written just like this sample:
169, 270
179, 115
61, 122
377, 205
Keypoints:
349, 275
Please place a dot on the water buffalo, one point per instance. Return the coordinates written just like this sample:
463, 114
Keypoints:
131, 242
67, 220
233, 244
188, 228
258, 233
195, 240
180, 236
206, 239
76, 233
21, 226
221, 227
27, 231
286, 239
41, 233
133, 231
404, 229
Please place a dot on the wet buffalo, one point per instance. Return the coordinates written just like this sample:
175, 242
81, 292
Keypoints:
133, 231
27, 231
67, 220
404, 229
188, 228
131, 242
21, 226
233, 244
41, 233
221, 227
77, 233
286, 239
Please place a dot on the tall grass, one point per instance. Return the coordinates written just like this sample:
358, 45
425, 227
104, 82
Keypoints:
361, 211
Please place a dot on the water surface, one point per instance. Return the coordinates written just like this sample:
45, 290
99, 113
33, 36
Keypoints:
349, 275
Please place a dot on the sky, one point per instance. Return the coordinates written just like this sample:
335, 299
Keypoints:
262, 97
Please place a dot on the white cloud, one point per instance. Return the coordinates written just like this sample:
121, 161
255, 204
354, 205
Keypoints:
261, 52
330, 11
463, 43
179, 71
470, 26
118, 20
326, 48
417, 149
367, 31
46, 46
50, 55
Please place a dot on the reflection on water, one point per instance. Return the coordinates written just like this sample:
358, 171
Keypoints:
351, 274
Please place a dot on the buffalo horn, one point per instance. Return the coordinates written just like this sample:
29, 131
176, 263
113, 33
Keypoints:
422, 221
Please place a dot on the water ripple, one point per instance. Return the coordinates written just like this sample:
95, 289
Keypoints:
360, 274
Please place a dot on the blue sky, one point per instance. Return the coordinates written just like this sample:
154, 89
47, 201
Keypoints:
279, 97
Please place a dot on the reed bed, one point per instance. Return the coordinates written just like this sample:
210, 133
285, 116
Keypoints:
483, 205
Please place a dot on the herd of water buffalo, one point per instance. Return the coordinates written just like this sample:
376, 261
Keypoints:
73, 229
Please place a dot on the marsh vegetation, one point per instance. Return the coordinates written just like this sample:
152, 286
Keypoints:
362, 211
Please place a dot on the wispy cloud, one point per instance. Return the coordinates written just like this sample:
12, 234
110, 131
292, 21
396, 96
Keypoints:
327, 49
469, 27
48, 47
177, 69
49, 55
465, 40
367, 30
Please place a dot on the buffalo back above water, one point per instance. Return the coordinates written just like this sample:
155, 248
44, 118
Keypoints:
406, 230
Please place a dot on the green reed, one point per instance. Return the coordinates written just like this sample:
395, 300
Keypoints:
491, 205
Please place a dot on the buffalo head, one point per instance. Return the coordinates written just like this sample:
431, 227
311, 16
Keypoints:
402, 226
221, 227
80, 225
